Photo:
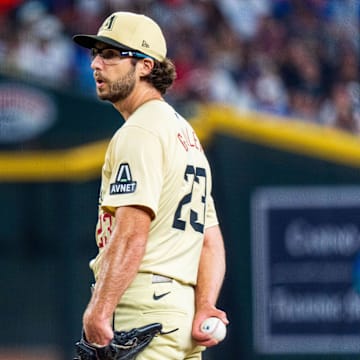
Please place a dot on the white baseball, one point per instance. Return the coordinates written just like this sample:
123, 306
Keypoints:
215, 327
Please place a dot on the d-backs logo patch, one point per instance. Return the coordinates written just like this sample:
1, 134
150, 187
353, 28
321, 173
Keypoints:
108, 23
123, 183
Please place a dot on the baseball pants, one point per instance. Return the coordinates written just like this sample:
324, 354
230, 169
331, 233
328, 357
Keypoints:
154, 298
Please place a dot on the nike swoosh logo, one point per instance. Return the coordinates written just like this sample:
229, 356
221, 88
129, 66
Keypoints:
158, 297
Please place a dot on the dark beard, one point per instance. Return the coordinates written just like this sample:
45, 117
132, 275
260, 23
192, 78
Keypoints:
120, 89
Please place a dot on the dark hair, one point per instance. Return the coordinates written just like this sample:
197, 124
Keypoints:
162, 75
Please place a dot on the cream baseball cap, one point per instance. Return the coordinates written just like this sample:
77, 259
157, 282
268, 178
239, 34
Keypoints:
129, 31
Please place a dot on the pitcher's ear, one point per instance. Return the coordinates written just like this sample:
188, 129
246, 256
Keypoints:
147, 65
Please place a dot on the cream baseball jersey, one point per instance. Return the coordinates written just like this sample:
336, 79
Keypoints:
155, 160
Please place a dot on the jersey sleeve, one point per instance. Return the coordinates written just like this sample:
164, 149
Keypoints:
211, 216
136, 171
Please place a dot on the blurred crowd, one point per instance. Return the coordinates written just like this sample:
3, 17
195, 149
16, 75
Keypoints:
293, 58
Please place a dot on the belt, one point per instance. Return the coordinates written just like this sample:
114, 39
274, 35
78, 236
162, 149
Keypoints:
157, 279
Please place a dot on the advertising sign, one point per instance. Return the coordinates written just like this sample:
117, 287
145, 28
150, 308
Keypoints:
306, 269
25, 112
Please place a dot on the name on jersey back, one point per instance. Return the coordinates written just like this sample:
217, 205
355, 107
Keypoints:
189, 139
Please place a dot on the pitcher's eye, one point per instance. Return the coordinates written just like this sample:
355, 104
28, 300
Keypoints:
105, 54
109, 54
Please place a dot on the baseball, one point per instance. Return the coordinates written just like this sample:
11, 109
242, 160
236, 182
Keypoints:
215, 327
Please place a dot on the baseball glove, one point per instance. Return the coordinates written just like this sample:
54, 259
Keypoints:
125, 345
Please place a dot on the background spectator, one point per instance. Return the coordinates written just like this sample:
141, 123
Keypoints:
297, 58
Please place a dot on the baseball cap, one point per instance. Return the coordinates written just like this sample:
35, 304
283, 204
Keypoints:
129, 31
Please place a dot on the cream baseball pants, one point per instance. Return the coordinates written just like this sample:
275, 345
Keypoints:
154, 298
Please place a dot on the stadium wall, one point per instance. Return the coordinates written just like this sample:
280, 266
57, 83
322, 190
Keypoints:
288, 199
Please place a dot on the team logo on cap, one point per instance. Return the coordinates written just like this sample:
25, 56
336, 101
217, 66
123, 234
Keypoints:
123, 183
109, 22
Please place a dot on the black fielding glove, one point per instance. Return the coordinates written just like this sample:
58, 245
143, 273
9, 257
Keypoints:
125, 345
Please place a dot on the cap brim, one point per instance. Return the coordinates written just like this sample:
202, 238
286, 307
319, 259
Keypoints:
89, 41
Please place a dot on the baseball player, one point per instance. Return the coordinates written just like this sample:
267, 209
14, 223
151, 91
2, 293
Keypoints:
161, 254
